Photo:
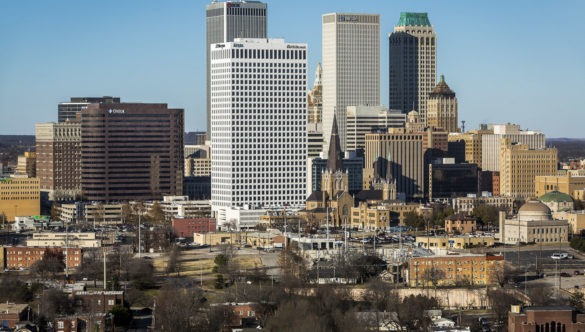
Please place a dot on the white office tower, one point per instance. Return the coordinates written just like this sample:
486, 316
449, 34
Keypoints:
491, 144
258, 120
362, 120
351, 68
227, 20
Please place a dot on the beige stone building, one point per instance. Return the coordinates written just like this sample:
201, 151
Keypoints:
379, 215
27, 164
576, 220
19, 196
198, 162
472, 141
454, 270
442, 108
64, 239
460, 223
520, 165
558, 201
217, 238
315, 98
533, 224
570, 182
405, 150
492, 143
468, 204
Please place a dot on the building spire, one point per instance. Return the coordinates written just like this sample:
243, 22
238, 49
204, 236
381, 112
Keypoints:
334, 159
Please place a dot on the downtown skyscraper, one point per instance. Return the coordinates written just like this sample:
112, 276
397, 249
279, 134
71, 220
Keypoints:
258, 120
229, 20
413, 63
131, 151
351, 67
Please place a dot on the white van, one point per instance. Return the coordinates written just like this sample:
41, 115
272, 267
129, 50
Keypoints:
559, 255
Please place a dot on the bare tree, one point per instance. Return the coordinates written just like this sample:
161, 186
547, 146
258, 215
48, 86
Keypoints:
126, 212
156, 213
54, 302
52, 262
410, 312
501, 300
176, 306
382, 297
173, 264
433, 276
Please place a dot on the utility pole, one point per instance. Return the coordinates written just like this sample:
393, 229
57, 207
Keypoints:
66, 251
105, 282
139, 233
345, 232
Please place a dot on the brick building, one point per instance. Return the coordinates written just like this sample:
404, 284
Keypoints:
25, 257
545, 319
453, 270
11, 314
97, 301
90, 322
185, 227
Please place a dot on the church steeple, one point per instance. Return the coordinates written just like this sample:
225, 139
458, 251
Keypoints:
334, 160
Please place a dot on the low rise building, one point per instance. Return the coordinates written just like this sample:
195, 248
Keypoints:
95, 321
576, 220
558, 201
545, 319
241, 218
533, 224
217, 238
469, 203
25, 257
62, 239
277, 218
13, 313
93, 212
454, 270
270, 239
438, 243
185, 227
460, 223
182, 206
98, 301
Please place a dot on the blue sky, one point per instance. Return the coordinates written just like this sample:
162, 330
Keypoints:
508, 61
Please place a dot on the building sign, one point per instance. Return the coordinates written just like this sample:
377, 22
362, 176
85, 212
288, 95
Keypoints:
116, 111
348, 18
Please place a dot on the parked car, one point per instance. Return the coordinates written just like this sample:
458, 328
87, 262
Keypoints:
565, 274
559, 255
577, 273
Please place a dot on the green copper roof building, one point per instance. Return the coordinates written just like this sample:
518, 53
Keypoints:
414, 19
413, 63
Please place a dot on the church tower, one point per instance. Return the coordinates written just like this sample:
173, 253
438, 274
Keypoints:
334, 180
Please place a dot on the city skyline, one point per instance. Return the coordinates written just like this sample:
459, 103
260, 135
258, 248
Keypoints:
530, 61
